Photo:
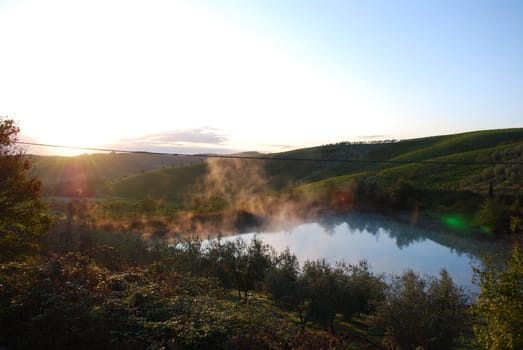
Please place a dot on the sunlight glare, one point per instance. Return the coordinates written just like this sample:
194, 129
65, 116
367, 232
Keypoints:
168, 66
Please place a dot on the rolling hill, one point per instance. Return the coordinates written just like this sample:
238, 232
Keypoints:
498, 152
88, 174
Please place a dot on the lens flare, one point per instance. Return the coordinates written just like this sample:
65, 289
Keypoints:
455, 222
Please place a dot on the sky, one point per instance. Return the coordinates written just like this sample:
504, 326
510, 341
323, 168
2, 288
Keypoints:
273, 75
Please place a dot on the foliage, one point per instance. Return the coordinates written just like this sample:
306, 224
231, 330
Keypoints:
363, 290
47, 304
149, 205
237, 264
318, 293
516, 217
403, 195
345, 289
67, 301
22, 216
421, 312
282, 280
188, 256
500, 303
323, 291
493, 216
115, 250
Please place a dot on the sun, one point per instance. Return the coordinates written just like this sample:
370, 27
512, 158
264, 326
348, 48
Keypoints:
69, 142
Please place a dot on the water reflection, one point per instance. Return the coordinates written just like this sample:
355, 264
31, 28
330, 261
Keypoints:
390, 246
405, 234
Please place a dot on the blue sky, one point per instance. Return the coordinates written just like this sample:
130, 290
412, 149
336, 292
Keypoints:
194, 76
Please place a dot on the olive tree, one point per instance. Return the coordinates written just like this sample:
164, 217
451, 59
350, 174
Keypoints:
422, 312
238, 264
282, 282
324, 291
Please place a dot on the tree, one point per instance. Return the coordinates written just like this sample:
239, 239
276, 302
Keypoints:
500, 303
363, 290
239, 264
324, 291
22, 213
403, 195
259, 261
282, 281
493, 216
427, 313
148, 205
249, 264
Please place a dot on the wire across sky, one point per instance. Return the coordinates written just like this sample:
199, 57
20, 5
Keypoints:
280, 158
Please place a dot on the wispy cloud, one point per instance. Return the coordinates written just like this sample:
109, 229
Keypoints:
374, 137
178, 137
282, 146
193, 140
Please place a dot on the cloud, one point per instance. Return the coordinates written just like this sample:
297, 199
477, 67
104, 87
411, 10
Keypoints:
283, 146
207, 136
195, 135
373, 137
190, 141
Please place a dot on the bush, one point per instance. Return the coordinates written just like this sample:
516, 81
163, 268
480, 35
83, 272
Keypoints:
324, 287
344, 289
363, 290
421, 312
68, 302
239, 264
281, 282
500, 303
47, 304
493, 216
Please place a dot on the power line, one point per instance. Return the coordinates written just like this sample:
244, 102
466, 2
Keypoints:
276, 158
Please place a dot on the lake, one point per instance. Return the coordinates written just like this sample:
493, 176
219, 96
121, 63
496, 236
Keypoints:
389, 245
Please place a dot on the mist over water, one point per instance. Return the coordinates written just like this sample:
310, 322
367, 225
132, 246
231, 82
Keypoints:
390, 245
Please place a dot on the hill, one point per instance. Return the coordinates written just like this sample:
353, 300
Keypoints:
436, 163
379, 159
87, 174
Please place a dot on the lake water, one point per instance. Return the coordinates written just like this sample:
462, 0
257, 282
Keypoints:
390, 246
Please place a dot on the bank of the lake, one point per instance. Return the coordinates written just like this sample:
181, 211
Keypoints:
389, 244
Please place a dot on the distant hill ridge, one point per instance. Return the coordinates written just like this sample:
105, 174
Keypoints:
139, 175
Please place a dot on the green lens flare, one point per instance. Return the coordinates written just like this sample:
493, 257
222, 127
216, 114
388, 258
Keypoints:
455, 222
459, 223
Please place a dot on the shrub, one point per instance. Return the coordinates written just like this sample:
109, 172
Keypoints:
493, 216
500, 303
421, 312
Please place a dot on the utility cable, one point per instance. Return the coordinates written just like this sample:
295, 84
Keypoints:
278, 158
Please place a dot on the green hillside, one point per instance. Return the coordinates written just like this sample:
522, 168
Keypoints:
87, 174
491, 146
169, 183
139, 175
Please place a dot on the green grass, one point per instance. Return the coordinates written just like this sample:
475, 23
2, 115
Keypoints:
474, 146
466, 142
469, 147
169, 183
359, 329
55, 171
